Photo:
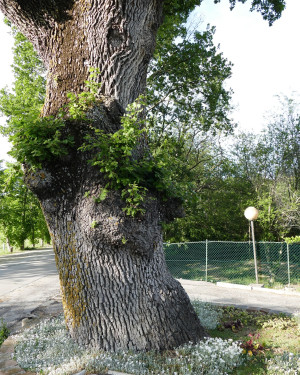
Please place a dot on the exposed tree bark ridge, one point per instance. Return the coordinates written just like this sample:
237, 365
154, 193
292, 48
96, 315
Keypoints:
116, 36
122, 42
117, 292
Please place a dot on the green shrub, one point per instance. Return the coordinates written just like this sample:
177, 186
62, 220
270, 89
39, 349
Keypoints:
4, 332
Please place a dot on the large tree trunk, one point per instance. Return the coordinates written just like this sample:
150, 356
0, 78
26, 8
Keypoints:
117, 292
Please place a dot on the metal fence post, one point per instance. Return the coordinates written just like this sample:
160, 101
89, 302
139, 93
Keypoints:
288, 263
206, 259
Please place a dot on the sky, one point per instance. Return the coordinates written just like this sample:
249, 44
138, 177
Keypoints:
6, 76
266, 59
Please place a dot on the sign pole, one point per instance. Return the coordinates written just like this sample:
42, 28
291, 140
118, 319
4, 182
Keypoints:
254, 251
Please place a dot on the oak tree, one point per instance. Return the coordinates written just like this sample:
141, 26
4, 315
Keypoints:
117, 292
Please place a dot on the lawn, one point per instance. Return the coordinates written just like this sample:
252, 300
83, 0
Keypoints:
240, 342
237, 272
267, 340
233, 262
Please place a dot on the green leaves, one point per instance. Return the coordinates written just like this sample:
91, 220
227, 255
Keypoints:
134, 161
290, 240
186, 84
27, 96
133, 195
102, 195
94, 224
114, 156
35, 140
38, 140
21, 217
79, 104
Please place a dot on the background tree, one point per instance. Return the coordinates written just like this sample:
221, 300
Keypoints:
20, 216
185, 89
117, 292
271, 163
222, 194
29, 86
259, 170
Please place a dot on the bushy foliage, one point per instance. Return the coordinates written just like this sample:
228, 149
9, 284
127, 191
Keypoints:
295, 239
4, 331
37, 140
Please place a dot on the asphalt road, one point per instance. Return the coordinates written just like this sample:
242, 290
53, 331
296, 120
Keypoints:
27, 281
21, 269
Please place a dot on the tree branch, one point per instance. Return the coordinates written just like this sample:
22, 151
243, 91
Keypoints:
35, 18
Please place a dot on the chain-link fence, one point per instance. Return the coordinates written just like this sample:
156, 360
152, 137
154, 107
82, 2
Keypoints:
278, 263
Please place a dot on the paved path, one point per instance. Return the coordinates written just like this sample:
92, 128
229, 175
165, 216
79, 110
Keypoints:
20, 269
28, 281
269, 300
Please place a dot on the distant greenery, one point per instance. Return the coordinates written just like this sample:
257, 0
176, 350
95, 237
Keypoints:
21, 217
257, 170
270, 162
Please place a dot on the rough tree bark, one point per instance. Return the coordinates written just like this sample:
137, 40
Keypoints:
117, 292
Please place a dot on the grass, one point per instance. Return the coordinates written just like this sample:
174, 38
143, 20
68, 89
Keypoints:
237, 272
241, 343
272, 337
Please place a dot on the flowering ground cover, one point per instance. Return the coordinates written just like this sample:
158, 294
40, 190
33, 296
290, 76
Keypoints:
240, 343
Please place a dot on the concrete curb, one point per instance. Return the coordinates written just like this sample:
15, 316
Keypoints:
249, 308
83, 372
258, 289
222, 284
